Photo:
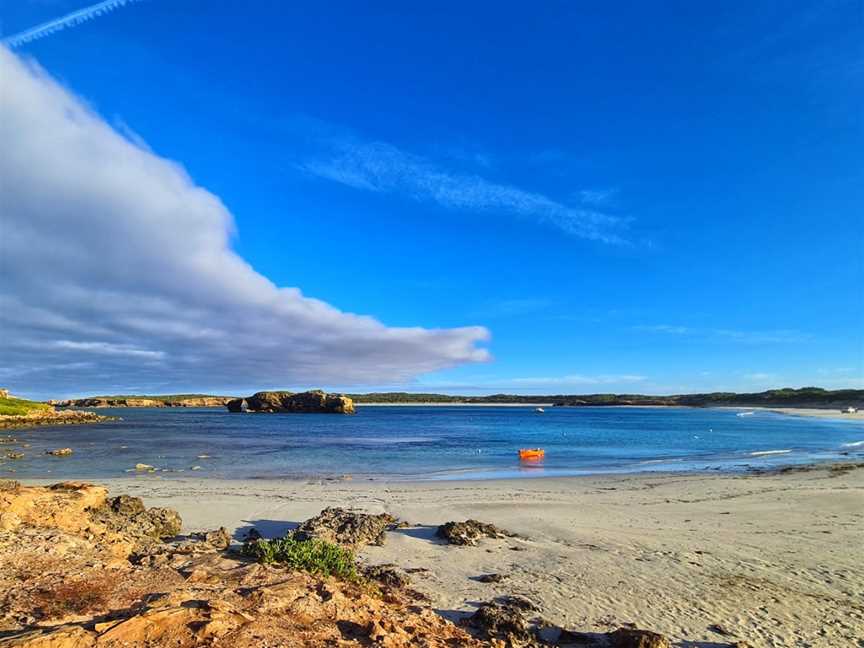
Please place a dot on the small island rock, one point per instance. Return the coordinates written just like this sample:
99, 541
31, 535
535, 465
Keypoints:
315, 401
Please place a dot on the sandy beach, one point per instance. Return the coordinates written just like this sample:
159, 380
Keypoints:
773, 559
812, 411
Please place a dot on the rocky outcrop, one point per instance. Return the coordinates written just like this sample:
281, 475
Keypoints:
346, 528
128, 515
167, 401
467, 533
514, 622
501, 622
634, 638
52, 417
62, 585
315, 401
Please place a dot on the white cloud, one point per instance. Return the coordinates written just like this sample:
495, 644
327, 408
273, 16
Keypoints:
599, 198
117, 269
383, 168
762, 377
782, 336
571, 380
575, 379
64, 22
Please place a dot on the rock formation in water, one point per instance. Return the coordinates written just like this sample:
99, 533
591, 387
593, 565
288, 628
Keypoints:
280, 401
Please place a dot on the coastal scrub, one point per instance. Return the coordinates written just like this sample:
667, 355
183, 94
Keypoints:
314, 556
21, 407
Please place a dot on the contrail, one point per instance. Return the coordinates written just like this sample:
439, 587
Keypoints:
59, 24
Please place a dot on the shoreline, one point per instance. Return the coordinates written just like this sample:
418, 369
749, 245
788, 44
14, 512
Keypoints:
771, 557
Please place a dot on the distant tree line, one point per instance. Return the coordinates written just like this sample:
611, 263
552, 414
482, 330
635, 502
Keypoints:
804, 397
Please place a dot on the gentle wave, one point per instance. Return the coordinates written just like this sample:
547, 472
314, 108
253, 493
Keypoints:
768, 452
854, 444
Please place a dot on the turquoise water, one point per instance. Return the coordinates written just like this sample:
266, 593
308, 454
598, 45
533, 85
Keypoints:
432, 443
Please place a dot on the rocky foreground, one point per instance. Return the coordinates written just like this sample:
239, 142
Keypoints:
80, 569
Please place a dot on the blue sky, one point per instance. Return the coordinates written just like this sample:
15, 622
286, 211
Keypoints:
627, 197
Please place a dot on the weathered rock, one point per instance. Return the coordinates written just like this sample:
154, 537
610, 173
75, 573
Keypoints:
389, 575
633, 638
129, 515
9, 485
491, 578
237, 405
467, 533
218, 539
51, 417
494, 621
58, 591
193, 401
59, 452
142, 467
347, 528
280, 401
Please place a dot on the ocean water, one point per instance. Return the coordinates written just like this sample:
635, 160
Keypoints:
400, 443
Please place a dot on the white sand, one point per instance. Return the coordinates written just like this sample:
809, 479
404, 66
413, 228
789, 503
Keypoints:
820, 413
774, 559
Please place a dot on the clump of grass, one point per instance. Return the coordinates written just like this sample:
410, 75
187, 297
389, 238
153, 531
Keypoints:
314, 556
20, 407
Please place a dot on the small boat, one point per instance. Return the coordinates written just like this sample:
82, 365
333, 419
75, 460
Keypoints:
539, 410
531, 454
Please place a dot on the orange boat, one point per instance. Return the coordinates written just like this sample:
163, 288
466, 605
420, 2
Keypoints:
531, 454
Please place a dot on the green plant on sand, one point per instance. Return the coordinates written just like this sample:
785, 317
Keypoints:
314, 556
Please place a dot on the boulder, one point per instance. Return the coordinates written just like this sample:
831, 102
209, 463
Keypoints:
633, 638
494, 621
346, 528
128, 515
59, 452
218, 539
388, 575
467, 533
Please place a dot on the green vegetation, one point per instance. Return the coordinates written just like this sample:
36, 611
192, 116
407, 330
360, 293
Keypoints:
804, 397
314, 556
21, 407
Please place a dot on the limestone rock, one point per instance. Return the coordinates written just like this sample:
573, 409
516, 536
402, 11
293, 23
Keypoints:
467, 533
315, 401
347, 528
388, 575
218, 539
506, 623
128, 515
633, 638
59, 452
